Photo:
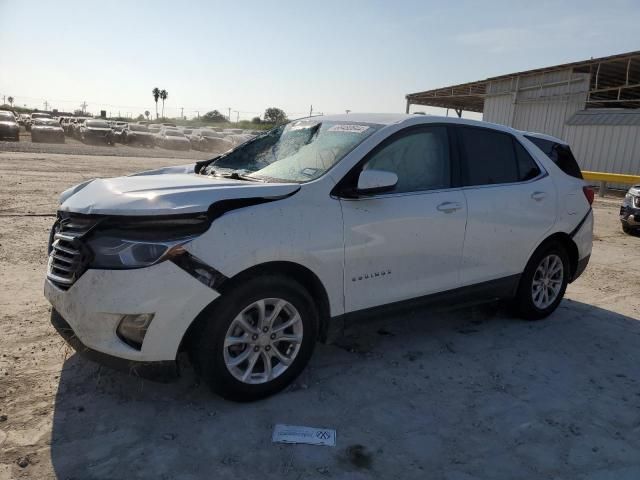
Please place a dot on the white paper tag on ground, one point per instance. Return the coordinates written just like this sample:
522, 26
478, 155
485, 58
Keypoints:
309, 435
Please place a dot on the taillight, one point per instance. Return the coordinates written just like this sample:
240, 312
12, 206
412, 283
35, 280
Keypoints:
589, 194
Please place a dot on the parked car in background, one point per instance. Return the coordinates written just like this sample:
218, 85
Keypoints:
32, 117
136, 134
172, 139
9, 128
22, 118
630, 210
47, 130
96, 131
66, 125
155, 128
75, 127
206, 140
169, 124
251, 257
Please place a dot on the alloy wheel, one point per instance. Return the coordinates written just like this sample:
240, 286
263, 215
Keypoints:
263, 340
547, 281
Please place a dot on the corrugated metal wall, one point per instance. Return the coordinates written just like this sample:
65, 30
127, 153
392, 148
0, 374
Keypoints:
540, 103
606, 148
543, 103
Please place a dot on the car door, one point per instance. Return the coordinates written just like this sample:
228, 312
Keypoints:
511, 204
407, 242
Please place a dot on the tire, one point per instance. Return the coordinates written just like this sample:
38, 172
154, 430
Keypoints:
210, 356
535, 307
627, 229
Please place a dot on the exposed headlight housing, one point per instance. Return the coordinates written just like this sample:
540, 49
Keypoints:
114, 252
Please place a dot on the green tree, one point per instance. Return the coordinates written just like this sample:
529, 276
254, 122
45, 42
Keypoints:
214, 116
156, 95
147, 113
256, 120
274, 115
10, 100
163, 95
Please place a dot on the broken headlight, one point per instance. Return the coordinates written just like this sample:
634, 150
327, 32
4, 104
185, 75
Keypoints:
118, 253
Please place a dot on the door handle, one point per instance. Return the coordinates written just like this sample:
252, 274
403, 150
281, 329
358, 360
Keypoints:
448, 207
538, 196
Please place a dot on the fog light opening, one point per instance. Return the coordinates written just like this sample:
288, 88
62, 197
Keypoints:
133, 328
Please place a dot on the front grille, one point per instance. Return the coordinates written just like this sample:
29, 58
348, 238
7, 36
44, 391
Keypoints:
68, 254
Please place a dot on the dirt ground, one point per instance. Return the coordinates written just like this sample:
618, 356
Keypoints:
455, 395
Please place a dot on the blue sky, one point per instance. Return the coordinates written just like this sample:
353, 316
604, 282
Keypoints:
337, 55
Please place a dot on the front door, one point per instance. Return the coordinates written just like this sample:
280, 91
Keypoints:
407, 242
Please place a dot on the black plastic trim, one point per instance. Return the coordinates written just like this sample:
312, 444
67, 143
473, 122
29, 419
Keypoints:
199, 270
159, 371
484, 292
575, 230
582, 265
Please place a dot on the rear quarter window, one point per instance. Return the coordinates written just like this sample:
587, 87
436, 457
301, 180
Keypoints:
559, 153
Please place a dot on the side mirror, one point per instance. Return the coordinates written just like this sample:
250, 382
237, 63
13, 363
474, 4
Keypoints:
376, 181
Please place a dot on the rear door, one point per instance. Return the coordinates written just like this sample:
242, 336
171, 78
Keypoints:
511, 204
405, 243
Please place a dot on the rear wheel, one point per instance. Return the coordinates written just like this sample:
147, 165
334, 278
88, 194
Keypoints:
256, 339
543, 282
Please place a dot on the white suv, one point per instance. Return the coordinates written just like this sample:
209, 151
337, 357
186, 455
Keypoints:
246, 260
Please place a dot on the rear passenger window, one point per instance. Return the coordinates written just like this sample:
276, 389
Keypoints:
560, 154
490, 157
527, 168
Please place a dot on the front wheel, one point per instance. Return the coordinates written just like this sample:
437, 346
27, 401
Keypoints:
256, 339
543, 282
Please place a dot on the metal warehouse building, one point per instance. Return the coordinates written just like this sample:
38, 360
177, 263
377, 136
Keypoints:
594, 105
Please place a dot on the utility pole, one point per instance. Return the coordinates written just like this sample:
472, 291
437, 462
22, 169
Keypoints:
229, 116
83, 105
198, 112
181, 112
46, 105
311, 111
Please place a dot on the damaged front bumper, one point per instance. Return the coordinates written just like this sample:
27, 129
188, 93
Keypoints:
88, 313
159, 370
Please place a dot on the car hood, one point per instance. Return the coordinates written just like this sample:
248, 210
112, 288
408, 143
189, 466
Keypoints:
46, 127
8, 123
164, 194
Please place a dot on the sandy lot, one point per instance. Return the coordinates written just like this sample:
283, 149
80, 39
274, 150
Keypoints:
456, 395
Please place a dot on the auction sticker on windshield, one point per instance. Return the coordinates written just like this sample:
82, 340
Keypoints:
349, 128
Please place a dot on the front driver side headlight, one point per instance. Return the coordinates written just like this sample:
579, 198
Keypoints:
120, 253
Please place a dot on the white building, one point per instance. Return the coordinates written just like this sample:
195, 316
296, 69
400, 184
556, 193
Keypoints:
594, 105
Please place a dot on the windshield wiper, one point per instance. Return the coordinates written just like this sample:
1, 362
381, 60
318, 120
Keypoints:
235, 175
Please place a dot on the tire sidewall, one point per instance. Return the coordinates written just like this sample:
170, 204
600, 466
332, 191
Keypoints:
208, 354
524, 298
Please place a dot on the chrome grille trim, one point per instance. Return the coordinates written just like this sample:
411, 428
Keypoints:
69, 257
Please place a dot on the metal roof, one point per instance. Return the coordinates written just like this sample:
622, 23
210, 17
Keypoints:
615, 82
606, 117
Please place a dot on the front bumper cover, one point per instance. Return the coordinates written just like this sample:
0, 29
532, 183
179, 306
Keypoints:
159, 371
630, 216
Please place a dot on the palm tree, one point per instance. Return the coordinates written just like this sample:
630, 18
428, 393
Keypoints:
156, 94
10, 99
163, 95
147, 113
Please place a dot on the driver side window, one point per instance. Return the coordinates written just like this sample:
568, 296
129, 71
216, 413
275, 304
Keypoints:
420, 159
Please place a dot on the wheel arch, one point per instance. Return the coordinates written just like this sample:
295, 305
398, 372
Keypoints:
299, 273
570, 247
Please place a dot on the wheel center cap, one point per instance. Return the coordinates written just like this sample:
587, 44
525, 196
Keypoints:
263, 340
